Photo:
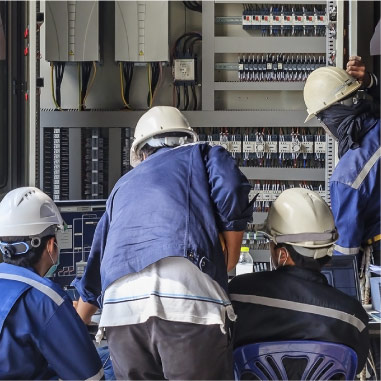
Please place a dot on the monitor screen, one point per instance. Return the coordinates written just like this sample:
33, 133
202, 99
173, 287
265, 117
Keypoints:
342, 273
81, 218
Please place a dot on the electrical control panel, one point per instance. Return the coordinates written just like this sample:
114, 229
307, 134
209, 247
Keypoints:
81, 219
141, 31
72, 31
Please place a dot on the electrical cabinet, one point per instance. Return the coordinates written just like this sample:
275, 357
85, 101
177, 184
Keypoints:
72, 31
254, 58
141, 31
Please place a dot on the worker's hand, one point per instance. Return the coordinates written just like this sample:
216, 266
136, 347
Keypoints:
356, 68
75, 304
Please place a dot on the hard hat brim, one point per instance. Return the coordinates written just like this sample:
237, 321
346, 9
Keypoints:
309, 117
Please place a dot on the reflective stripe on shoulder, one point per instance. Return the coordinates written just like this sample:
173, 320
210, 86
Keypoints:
300, 307
367, 167
39, 286
97, 376
346, 250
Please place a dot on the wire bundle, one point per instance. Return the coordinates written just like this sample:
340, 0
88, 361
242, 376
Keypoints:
126, 73
154, 81
58, 68
193, 5
86, 68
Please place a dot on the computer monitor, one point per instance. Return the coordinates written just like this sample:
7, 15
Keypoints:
81, 218
342, 273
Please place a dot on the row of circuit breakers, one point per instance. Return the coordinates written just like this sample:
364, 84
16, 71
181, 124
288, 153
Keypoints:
256, 147
286, 20
278, 67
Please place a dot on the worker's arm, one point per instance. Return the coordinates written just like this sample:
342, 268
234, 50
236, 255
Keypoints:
233, 242
67, 347
85, 310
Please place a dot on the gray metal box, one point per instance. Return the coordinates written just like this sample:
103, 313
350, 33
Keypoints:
141, 31
72, 31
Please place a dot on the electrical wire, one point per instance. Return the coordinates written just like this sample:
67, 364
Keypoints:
193, 88
121, 87
85, 77
128, 71
149, 98
91, 83
79, 86
52, 87
158, 83
193, 5
186, 97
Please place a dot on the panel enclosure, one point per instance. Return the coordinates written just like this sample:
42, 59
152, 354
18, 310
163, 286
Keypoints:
72, 31
137, 24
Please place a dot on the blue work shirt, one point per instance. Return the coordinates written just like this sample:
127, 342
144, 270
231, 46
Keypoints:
174, 203
41, 334
355, 193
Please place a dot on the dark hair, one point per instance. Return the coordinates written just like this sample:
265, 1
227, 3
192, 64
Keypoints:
305, 262
30, 258
148, 150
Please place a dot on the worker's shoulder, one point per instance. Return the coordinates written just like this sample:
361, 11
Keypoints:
366, 157
252, 281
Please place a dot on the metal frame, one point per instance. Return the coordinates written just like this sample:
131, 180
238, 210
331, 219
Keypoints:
32, 93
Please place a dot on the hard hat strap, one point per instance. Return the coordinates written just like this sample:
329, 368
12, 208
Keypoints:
15, 248
305, 237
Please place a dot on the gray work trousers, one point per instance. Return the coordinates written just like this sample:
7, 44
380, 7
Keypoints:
159, 349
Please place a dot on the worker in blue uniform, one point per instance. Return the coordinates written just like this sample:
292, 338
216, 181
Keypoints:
41, 335
331, 95
157, 261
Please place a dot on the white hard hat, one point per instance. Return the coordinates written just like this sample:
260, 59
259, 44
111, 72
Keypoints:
158, 120
300, 217
28, 212
326, 86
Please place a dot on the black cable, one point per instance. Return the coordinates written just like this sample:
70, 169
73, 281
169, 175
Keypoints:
178, 96
85, 77
128, 72
193, 5
176, 48
59, 68
186, 97
193, 88
195, 37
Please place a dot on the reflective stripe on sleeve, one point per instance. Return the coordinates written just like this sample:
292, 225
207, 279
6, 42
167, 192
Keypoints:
346, 250
39, 286
367, 167
300, 307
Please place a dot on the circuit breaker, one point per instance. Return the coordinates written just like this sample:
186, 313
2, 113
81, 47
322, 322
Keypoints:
141, 31
72, 31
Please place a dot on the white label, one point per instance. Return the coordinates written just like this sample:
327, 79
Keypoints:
285, 147
308, 147
320, 147
243, 269
248, 146
272, 146
184, 70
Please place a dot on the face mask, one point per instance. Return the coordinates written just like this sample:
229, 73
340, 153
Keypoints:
53, 269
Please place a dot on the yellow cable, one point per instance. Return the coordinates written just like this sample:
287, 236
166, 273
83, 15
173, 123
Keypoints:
121, 87
52, 85
91, 83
